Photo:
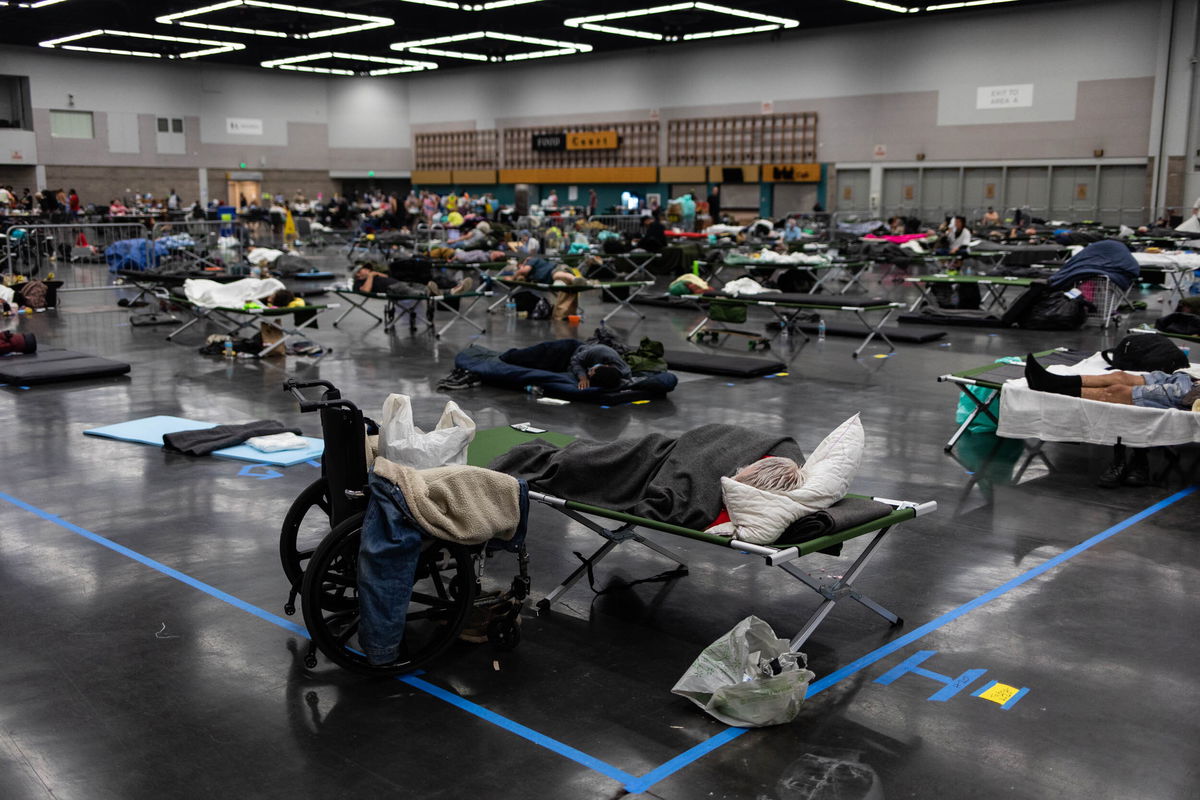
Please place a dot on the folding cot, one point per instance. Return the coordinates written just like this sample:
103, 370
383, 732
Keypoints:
326, 577
787, 307
1186, 337
993, 287
1178, 269
399, 306
512, 285
1028, 414
819, 272
990, 378
234, 319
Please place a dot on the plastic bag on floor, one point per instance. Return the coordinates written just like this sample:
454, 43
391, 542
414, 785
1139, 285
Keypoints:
403, 442
748, 677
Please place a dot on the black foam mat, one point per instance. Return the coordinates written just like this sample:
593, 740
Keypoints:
715, 364
895, 334
52, 366
981, 321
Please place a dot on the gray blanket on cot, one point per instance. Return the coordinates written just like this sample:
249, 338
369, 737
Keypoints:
842, 515
206, 440
673, 480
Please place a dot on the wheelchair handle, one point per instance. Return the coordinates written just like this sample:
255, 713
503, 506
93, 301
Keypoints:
330, 399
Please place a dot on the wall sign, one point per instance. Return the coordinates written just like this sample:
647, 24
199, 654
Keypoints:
244, 126
575, 140
593, 140
791, 173
549, 142
881, 151
1016, 96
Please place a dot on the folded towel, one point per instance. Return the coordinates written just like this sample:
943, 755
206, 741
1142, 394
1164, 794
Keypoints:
277, 441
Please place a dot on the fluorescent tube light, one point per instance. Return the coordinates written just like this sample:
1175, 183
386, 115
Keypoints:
362, 22
596, 21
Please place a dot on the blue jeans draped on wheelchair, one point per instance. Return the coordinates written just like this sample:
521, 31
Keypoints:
387, 563
388, 554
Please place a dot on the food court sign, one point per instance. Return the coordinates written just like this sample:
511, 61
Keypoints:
575, 140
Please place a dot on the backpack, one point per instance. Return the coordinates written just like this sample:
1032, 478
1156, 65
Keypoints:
1179, 322
1145, 352
541, 310
32, 294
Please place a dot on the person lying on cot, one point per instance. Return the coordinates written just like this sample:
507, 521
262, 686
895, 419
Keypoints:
771, 474
282, 298
370, 281
539, 270
1152, 390
474, 239
595, 364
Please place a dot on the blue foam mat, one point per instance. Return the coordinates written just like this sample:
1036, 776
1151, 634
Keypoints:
150, 430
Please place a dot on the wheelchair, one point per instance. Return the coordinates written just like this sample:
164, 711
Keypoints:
318, 547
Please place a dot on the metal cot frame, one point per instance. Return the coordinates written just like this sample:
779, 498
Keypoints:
397, 308
787, 312
227, 318
511, 286
831, 589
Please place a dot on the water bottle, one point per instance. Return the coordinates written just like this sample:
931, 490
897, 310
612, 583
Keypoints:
510, 309
229, 349
1187, 353
821, 330
533, 391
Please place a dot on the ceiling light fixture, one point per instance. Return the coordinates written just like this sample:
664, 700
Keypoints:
213, 47
396, 65
595, 22
885, 6
552, 47
364, 22
969, 4
489, 6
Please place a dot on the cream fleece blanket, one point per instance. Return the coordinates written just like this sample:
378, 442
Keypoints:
458, 503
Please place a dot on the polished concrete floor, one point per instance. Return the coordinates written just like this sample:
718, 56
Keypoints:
146, 653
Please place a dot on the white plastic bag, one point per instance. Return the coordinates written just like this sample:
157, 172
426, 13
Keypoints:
403, 442
748, 677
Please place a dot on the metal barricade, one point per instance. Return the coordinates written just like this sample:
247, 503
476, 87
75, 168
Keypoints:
630, 224
204, 243
39, 249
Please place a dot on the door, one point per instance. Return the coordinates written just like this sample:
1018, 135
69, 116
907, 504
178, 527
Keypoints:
1122, 195
901, 193
243, 193
1073, 194
982, 189
1028, 188
853, 190
939, 195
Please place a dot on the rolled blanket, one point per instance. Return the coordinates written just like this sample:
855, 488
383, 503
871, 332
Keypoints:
845, 513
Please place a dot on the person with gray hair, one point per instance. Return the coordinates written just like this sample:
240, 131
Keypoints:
771, 474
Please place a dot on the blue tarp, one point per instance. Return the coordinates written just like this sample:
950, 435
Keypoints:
135, 254
1109, 257
495, 371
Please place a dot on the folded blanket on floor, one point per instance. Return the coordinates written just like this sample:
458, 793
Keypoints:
674, 480
202, 442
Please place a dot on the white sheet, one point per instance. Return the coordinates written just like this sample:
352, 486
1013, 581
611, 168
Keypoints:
211, 294
1176, 259
1026, 414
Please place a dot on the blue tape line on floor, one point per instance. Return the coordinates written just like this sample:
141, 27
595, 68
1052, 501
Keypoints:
578, 756
159, 566
685, 758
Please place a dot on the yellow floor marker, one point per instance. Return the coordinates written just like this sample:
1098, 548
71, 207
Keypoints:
999, 693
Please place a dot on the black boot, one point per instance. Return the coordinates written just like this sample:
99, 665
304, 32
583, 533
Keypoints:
1137, 473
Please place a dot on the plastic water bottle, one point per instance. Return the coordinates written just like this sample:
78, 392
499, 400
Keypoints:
510, 309
229, 349
821, 330
533, 391
1187, 353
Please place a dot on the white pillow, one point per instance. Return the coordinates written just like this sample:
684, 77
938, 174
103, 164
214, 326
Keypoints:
761, 516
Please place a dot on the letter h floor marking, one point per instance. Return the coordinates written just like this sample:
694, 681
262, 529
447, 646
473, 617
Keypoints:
913, 664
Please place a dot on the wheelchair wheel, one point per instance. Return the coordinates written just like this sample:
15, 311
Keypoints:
443, 594
304, 526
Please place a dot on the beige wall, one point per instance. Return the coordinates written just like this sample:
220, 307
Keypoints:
99, 185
